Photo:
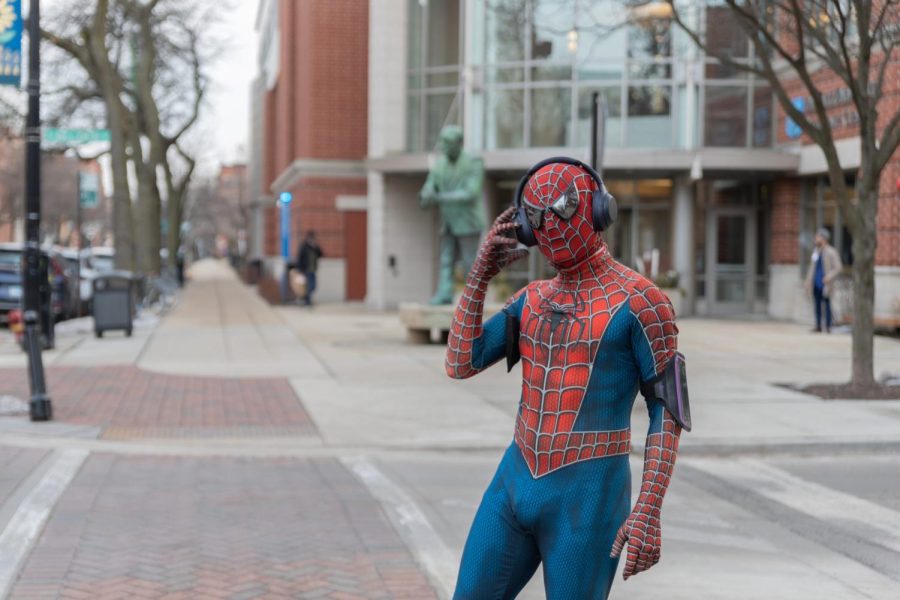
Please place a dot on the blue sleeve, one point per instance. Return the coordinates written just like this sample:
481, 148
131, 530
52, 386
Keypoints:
490, 346
643, 354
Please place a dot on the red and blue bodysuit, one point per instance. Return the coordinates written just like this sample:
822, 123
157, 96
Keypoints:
588, 339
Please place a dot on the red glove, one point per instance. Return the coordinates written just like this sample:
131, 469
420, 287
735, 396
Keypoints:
641, 530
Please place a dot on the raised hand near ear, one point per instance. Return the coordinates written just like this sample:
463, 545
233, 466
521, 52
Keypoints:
498, 248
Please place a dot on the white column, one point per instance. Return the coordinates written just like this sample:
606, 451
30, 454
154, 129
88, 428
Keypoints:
683, 240
387, 130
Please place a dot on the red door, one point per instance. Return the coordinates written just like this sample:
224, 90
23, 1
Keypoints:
355, 253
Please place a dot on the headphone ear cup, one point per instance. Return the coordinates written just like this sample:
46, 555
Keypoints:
604, 209
524, 232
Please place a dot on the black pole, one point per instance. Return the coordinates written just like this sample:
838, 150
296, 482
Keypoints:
40, 407
78, 218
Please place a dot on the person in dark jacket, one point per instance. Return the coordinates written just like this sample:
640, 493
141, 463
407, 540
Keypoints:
308, 256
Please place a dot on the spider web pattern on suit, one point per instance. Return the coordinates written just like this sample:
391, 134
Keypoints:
563, 322
577, 237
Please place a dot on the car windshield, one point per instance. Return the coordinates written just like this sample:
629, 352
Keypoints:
10, 258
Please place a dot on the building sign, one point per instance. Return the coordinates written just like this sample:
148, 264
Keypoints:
72, 137
834, 99
791, 129
89, 189
10, 42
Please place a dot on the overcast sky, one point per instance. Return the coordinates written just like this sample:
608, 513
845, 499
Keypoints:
222, 132
231, 77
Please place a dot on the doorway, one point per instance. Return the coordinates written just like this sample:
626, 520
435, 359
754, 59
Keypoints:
731, 260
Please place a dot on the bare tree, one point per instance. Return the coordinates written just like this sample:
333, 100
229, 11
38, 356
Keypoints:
145, 61
795, 43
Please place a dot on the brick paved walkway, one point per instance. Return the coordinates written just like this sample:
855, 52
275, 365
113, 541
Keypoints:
139, 527
129, 402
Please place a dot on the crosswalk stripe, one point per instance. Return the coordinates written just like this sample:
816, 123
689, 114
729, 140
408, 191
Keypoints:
28, 521
879, 524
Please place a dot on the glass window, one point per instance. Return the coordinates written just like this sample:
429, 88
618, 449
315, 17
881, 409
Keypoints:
613, 98
602, 71
650, 46
551, 111
414, 123
505, 118
724, 34
415, 36
717, 70
551, 72
505, 75
603, 40
506, 21
443, 33
441, 109
443, 79
762, 116
649, 123
553, 33
725, 114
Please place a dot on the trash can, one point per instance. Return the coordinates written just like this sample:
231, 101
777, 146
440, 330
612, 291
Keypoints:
113, 300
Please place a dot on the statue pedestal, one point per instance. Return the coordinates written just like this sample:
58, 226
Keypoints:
426, 323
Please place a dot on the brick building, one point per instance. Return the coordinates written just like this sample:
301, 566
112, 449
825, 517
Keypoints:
310, 104
59, 197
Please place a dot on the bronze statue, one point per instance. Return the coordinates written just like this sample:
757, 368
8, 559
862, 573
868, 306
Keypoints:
454, 186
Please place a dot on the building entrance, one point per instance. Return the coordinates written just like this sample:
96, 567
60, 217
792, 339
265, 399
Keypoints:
731, 260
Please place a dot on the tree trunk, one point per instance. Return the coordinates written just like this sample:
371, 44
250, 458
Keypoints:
864, 288
173, 215
122, 222
148, 230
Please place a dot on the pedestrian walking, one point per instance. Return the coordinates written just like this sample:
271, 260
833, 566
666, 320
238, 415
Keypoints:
826, 266
308, 256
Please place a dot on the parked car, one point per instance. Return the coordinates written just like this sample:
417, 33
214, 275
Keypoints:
11, 294
10, 279
94, 261
68, 259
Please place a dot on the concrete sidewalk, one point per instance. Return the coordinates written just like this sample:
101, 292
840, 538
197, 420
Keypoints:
733, 369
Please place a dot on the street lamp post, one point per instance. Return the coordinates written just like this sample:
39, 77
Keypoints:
284, 204
40, 407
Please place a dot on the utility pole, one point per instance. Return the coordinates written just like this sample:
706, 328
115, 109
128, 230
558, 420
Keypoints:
40, 407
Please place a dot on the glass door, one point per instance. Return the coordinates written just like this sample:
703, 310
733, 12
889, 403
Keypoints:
731, 260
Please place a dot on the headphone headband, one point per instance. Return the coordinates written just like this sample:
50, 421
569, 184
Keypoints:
549, 161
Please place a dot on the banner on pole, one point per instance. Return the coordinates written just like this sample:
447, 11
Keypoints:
11, 42
89, 189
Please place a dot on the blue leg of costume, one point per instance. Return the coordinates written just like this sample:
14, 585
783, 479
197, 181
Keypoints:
570, 517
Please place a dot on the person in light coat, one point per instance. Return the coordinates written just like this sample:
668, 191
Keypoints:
826, 266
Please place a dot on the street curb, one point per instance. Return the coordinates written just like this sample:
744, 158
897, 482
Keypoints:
718, 450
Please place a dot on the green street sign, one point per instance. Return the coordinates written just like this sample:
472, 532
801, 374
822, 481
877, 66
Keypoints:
70, 137
89, 189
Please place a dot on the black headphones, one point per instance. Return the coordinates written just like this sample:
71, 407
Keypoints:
603, 205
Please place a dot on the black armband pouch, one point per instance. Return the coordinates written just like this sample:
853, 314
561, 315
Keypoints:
512, 341
670, 388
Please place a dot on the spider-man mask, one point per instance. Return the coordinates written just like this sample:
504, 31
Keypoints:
557, 202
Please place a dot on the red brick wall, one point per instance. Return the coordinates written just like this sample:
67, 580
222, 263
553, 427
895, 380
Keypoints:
785, 221
319, 107
332, 79
314, 208
888, 250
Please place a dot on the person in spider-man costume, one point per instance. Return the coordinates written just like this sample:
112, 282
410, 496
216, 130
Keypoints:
589, 339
